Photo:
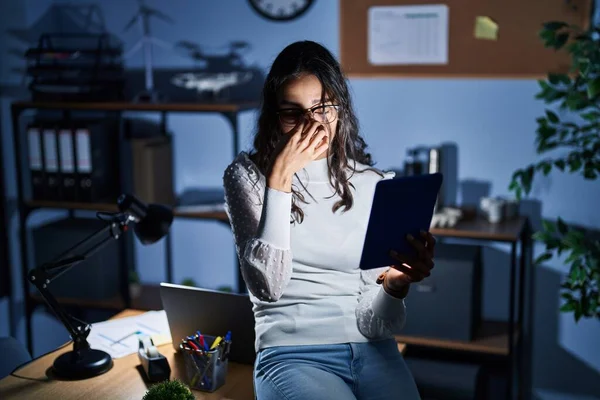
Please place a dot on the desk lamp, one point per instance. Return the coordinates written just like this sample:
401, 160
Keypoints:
152, 222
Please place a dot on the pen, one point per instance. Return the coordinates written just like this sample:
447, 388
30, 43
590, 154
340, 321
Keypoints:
228, 336
201, 340
216, 342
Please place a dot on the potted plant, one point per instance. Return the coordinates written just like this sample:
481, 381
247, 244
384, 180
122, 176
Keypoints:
169, 390
135, 288
188, 282
571, 145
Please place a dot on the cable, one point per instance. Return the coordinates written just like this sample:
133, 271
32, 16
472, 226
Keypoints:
35, 359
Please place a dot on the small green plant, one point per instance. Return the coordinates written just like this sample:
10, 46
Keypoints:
574, 146
134, 277
169, 390
225, 288
188, 282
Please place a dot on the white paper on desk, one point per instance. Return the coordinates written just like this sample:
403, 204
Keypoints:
400, 35
104, 334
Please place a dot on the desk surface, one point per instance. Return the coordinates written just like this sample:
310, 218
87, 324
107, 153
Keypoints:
123, 381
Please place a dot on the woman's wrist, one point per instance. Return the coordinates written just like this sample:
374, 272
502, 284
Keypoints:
394, 290
280, 180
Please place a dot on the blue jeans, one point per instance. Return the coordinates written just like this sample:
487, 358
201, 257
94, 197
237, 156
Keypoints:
363, 371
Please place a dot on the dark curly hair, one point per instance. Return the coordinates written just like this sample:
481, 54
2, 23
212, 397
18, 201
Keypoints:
347, 147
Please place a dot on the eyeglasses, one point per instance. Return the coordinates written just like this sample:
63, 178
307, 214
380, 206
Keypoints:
323, 113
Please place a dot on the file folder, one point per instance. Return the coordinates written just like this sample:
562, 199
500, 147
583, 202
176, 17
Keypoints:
36, 161
67, 164
53, 185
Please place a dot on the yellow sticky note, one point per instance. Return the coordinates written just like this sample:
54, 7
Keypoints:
486, 28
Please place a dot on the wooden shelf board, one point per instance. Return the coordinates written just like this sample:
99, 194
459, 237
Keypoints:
507, 231
491, 338
149, 299
129, 106
216, 215
115, 303
69, 205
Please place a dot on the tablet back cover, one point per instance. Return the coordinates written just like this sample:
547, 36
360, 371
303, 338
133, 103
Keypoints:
400, 206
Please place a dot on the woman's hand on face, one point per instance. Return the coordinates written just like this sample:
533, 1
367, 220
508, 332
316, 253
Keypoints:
303, 144
409, 269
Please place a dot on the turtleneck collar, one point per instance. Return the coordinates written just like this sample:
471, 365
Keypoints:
316, 171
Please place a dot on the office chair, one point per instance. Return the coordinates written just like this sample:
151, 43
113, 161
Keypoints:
13, 354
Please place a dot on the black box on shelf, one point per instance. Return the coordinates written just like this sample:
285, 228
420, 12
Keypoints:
96, 278
152, 160
447, 305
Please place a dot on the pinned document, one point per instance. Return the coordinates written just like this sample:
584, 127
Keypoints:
414, 34
486, 28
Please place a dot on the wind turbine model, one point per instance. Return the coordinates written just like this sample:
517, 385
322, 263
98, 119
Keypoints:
143, 19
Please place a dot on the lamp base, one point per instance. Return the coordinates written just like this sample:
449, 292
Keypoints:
82, 364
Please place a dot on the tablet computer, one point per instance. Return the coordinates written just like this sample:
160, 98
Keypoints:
400, 206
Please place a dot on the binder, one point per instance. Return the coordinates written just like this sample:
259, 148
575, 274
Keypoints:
66, 155
36, 161
96, 161
50, 155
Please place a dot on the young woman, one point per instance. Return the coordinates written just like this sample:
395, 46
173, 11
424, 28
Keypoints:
299, 205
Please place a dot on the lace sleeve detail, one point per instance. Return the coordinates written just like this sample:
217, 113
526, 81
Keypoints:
378, 314
259, 218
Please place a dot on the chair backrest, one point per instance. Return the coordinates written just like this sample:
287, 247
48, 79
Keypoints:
13, 353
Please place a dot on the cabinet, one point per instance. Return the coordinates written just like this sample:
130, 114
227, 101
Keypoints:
149, 297
503, 343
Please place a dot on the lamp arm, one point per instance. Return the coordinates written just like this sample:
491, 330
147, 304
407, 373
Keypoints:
42, 276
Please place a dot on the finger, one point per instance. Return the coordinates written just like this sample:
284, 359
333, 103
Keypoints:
310, 129
417, 244
424, 266
430, 241
412, 274
317, 139
296, 132
321, 148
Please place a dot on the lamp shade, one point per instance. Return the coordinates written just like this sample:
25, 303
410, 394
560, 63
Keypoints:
152, 221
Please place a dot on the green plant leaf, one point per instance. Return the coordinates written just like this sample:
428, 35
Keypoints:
548, 226
544, 257
560, 40
593, 88
557, 79
562, 227
552, 26
591, 116
552, 117
568, 306
575, 164
560, 164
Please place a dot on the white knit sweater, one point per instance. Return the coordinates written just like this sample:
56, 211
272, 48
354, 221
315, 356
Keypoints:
303, 278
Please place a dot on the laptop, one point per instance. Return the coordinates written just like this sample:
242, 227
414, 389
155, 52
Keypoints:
213, 313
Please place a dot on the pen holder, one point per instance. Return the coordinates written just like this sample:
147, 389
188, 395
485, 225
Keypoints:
206, 370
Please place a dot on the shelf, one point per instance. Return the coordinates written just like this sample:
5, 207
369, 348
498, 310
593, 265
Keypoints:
114, 303
69, 205
129, 106
491, 338
507, 231
107, 207
214, 215
149, 299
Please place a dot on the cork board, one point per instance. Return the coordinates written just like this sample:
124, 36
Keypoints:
516, 51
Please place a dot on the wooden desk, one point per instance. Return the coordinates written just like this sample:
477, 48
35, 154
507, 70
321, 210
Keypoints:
123, 381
